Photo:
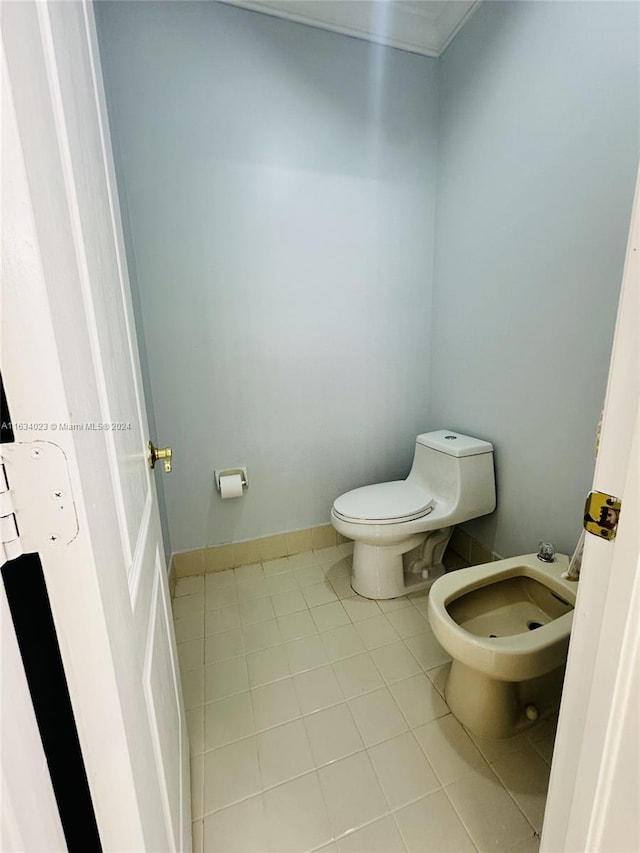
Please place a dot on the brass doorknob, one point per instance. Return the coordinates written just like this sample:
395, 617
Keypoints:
156, 453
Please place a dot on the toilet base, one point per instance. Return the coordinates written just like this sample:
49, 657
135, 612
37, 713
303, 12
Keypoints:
497, 709
383, 571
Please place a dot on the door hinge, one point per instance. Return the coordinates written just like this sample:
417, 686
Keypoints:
601, 515
37, 511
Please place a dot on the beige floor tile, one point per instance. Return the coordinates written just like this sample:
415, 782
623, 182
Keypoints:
388, 605
357, 675
529, 845
418, 699
189, 586
228, 720
197, 787
332, 734
305, 654
288, 602
545, 748
219, 597
432, 824
267, 666
193, 687
258, 610
317, 689
284, 753
490, 816
252, 590
188, 605
241, 828
225, 678
301, 561
427, 650
377, 716
222, 646
342, 587
294, 626
250, 572
297, 816
276, 567
352, 793
408, 622
376, 632
274, 704
542, 729
395, 662
381, 836
422, 606
359, 608
262, 635
438, 677
195, 730
343, 642
197, 836
403, 771
310, 574
219, 579
191, 655
284, 582
231, 773
526, 776
319, 593
494, 750
338, 569
189, 628
328, 556
329, 616
218, 621
542, 737
449, 748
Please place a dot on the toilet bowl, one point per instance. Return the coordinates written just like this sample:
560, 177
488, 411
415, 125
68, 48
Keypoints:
506, 625
401, 529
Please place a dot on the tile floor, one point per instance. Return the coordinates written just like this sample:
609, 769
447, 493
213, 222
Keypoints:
317, 722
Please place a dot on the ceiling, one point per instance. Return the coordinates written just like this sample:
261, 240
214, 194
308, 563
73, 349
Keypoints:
419, 26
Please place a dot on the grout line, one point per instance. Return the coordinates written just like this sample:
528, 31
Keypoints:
345, 701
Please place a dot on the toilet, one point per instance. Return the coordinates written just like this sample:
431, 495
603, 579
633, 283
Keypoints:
401, 529
506, 626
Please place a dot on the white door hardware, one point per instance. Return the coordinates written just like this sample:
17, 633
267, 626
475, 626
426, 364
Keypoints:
36, 504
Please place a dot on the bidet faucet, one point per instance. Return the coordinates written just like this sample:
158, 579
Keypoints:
546, 552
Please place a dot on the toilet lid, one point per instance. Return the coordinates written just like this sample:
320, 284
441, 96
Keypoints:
385, 502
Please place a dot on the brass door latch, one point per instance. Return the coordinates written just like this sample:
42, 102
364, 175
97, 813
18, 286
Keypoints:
156, 453
601, 515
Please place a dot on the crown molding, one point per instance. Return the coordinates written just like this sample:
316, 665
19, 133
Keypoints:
425, 27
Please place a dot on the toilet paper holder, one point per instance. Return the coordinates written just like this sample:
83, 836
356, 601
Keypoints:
224, 472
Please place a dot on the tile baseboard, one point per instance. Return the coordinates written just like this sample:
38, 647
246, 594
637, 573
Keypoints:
471, 550
219, 558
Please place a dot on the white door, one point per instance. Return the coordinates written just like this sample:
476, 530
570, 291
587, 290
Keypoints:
594, 792
71, 373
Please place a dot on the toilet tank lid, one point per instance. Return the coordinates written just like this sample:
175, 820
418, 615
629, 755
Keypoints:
454, 443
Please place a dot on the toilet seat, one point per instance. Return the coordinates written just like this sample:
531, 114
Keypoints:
384, 503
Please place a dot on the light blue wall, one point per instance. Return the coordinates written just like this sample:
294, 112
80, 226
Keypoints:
538, 144
279, 185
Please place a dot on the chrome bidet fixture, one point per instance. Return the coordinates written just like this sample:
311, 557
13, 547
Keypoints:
546, 552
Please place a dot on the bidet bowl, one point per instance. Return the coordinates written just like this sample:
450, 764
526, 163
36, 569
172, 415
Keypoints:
509, 620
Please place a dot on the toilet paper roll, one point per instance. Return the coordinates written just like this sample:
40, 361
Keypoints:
231, 486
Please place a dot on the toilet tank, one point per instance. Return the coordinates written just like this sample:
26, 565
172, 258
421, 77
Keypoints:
457, 470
